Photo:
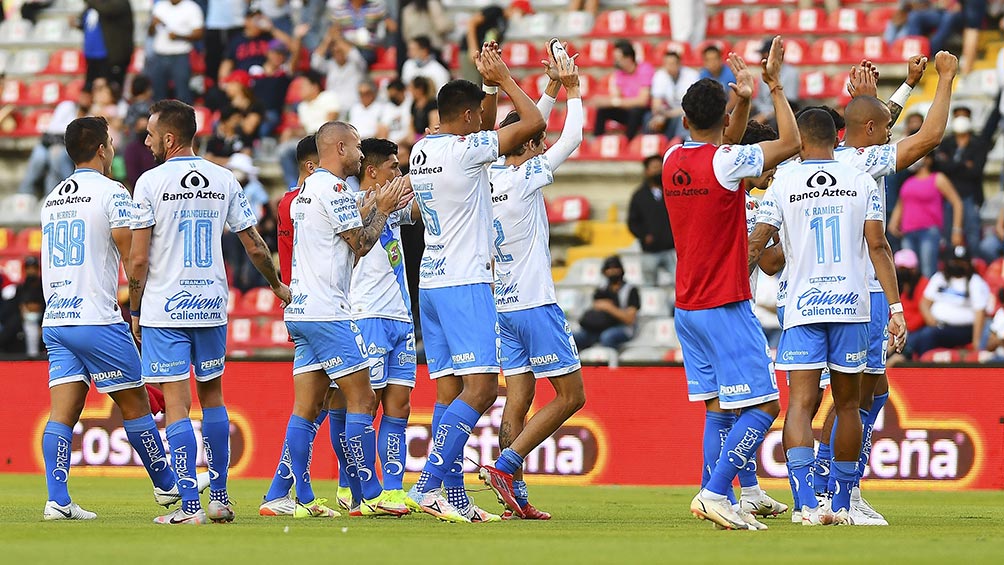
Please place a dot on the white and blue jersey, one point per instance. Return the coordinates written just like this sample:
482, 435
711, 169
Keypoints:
823, 206
449, 174
83, 328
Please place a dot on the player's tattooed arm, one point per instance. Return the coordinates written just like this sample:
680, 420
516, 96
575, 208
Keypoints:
261, 258
386, 199
139, 267
758, 240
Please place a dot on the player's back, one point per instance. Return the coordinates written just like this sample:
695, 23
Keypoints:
80, 261
188, 202
522, 235
379, 286
449, 174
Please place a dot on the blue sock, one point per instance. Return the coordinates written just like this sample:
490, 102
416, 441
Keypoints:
741, 444
184, 450
509, 461
361, 436
300, 434
427, 482
794, 488
282, 481
747, 475
716, 429
521, 492
843, 473
868, 426
821, 469
437, 414
56, 441
391, 446
453, 485
800, 474
451, 437
336, 429
321, 417
831, 481
216, 438
145, 439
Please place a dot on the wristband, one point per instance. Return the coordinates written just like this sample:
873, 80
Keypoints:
134, 313
896, 308
490, 90
901, 95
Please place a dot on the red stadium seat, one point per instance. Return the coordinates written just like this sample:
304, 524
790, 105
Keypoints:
531, 85
642, 51
66, 62
609, 146
596, 52
877, 19
811, 20
137, 62
749, 50
644, 145
46, 92
240, 331
295, 91
7, 240
203, 121
615, 23
261, 301
451, 56
828, 51
14, 92
907, 47
687, 55
767, 22
814, 84
796, 50
846, 20
568, 209
520, 54
652, 23
386, 59
728, 22
33, 124
233, 300
290, 121
12, 266
872, 48
272, 333
29, 241
72, 89
600, 86
556, 120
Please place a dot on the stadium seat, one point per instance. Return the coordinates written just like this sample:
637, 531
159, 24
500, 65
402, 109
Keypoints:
532, 85
872, 48
233, 300
137, 62
796, 50
14, 92
261, 301
573, 300
616, 23
55, 30
654, 301
644, 145
5, 58
73, 89
290, 121
814, 85
688, 56
596, 52
67, 62
450, 56
810, 20
575, 24
28, 62
15, 31
555, 121
657, 332
749, 50
12, 266
46, 92
273, 334
520, 54
600, 86
828, 51
203, 121
541, 24
942, 355
652, 24
29, 241
240, 331
585, 272
295, 91
34, 123
386, 59
878, 19
7, 240
568, 209
642, 51
906, 47
767, 22
727, 22
846, 20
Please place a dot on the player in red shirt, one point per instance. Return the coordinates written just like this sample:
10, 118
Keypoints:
725, 351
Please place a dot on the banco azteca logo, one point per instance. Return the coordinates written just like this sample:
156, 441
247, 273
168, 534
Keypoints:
821, 179
419, 159
69, 187
681, 178
194, 180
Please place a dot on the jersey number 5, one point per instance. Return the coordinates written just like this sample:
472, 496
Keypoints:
429, 216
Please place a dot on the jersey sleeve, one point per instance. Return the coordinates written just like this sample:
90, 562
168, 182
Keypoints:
404, 216
732, 163
538, 174
934, 286
769, 211
876, 199
142, 205
240, 216
979, 293
876, 160
479, 149
343, 210
119, 208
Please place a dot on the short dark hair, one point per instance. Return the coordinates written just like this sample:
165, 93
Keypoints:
395, 84
306, 148
672, 53
816, 127
377, 151
140, 84
711, 49
838, 120
423, 42
645, 162
228, 112
314, 77
625, 47
178, 118
704, 104
511, 118
757, 133
457, 96
423, 84
83, 138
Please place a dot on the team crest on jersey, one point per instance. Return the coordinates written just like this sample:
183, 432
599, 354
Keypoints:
394, 255
341, 187
726, 149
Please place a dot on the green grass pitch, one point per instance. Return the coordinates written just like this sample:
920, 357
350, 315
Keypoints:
591, 525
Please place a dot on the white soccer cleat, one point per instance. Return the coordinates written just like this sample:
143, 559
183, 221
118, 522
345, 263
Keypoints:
283, 506
435, 503
71, 511
718, 511
840, 518
476, 515
862, 513
179, 516
749, 518
796, 516
763, 505
219, 512
166, 498
811, 516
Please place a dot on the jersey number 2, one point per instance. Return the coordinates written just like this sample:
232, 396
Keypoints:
499, 239
818, 226
198, 242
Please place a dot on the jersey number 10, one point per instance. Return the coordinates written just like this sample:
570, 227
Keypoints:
818, 226
65, 240
198, 242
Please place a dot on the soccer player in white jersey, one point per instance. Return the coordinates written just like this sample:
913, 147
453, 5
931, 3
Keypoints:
180, 209
381, 307
834, 224
449, 173
329, 236
85, 235
536, 339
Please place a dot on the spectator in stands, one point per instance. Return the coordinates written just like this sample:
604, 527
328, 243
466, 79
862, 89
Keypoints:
270, 84
992, 245
962, 157
224, 21
138, 158
11, 334
280, 13
954, 306
422, 62
249, 49
918, 218
342, 64
911, 287
108, 104
237, 87
316, 107
228, 138
688, 21
31, 301
648, 221
714, 68
48, 161
944, 19
246, 173
140, 100
426, 18
893, 182
763, 108
175, 26
995, 341
366, 113
487, 25
108, 39
424, 108
591, 6
395, 122
630, 89
359, 22
30, 9
611, 320
669, 84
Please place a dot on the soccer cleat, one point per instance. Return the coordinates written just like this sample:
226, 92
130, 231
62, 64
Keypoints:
179, 516
718, 511
71, 511
344, 497
811, 516
862, 513
402, 497
764, 505
219, 512
166, 498
796, 516
314, 509
529, 513
476, 515
283, 506
749, 518
840, 518
501, 484
435, 503
382, 505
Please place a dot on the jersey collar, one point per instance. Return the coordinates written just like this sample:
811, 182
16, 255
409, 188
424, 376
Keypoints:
185, 158
86, 170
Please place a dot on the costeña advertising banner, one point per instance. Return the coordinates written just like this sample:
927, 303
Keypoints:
942, 429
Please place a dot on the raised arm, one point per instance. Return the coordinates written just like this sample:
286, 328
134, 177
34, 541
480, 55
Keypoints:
531, 122
571, 133
742, 90
912, 148
387, 199
788, 140
490, 105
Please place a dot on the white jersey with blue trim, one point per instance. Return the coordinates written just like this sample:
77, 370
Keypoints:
449, 174
379, 283
824, 206
752, 207
188, 201
80, 261
522, 235
322, 261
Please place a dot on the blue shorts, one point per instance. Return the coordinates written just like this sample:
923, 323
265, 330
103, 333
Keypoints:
104, 355
838, 346
336, 347
391, 349
824, 379
878, 334
539, 340
460, 328
725, 356
170, 353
